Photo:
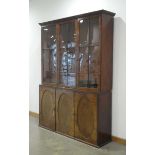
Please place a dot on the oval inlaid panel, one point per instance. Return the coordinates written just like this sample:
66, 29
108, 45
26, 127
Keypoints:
85, 117
47, 106
65, 108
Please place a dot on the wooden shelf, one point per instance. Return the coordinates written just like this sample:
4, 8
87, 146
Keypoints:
45, 48
90, 45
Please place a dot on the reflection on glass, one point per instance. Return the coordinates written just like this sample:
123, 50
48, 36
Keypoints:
67, 56
84, 32
46, 66
53, 50
94, 59
45, 29
67, 35
63, 79
67, 67
89, 52
83, 67
83, 59
71, 67
93, 66
49, 48
49, 36
94, 30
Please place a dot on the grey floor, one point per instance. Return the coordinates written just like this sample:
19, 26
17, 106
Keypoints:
44, 142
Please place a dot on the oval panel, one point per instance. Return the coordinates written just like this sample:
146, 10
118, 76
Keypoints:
65, 115
46, 104
85, 117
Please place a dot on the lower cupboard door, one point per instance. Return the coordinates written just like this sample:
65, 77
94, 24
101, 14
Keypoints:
47, 107
65, 112
86, 117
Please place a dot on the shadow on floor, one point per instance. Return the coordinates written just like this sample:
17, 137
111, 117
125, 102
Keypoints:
45, 142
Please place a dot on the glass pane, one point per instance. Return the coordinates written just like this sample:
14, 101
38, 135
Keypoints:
63, 79
83, 67
67, 67
49, 50
45, 65
63, 66
53, 62
71, 67
89, 52
49, 74
49, 36
94, 30
67, 55
84, 32
94, 66
67, 36
63, 61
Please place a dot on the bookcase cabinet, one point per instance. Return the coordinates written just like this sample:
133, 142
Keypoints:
75, 93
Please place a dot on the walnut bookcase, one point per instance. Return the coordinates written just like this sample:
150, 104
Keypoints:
75, 94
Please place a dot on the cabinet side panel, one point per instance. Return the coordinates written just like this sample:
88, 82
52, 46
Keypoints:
106, 53
104, 118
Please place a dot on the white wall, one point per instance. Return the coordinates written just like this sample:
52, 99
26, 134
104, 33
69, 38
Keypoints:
46, 10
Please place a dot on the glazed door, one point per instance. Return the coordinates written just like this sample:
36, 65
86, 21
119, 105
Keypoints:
89, 52
86, 117
65, 112
67, 62
49, 54
47, 107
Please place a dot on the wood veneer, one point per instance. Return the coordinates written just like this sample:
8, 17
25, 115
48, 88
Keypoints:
65, 112
47, 107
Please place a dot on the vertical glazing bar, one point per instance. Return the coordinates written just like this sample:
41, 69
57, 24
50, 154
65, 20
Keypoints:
67, 73
76, 35
100, 50
88, 48
58, 53
42, 64
49, 52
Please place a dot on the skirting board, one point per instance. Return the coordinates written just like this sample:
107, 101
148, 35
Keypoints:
114, 138
33, 114
119, 140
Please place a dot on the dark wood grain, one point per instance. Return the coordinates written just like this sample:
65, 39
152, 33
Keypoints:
47, 107
58, 52
41, 56
77, 50
78, 16
65, 112
86, 117
104, 117
107, 53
